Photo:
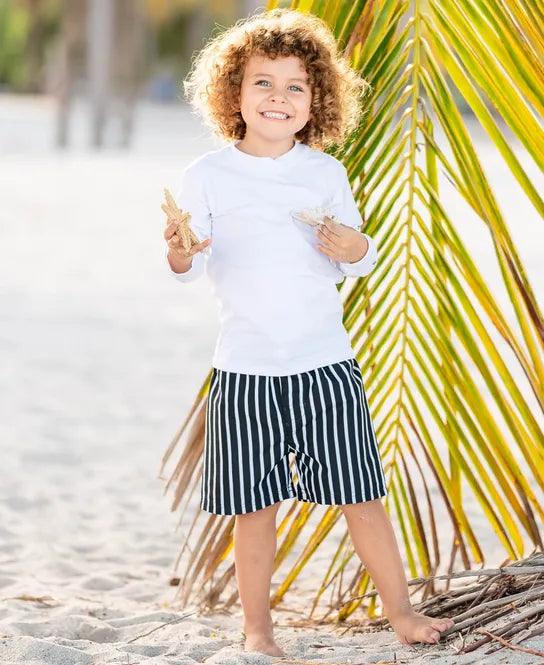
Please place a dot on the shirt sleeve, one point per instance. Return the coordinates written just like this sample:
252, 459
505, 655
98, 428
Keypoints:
346, 211
190, 197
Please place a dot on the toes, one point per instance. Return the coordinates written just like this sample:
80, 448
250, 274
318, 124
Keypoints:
442, 624
434, 636
403, 639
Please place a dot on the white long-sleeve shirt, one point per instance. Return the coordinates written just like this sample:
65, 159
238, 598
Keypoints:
280, 312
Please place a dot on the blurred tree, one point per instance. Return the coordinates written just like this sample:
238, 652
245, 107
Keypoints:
42, 26
181, 26
161, 11
71, 55
13, 28
130, 65
26, 27
33, 32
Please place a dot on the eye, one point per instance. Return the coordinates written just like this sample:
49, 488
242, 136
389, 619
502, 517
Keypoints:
291, 86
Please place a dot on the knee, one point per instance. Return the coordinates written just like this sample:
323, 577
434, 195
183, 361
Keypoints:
363, 509
262, 515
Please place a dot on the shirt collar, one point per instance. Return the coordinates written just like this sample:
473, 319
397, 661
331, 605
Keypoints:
252, 160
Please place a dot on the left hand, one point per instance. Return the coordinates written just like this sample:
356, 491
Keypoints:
342, 243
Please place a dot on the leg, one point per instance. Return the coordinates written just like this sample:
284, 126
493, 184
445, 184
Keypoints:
374, 541
254, 551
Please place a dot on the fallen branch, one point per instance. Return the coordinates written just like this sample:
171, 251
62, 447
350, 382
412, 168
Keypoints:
484, 572
500, 593
168, 623
510, 645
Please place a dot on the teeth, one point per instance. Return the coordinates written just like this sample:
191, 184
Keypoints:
271, 114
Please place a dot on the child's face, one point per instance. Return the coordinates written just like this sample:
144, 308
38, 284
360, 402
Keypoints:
275, 85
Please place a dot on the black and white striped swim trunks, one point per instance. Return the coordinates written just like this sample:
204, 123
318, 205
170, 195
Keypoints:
254, 422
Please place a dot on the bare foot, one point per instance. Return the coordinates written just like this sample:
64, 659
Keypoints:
411, 627
263, 643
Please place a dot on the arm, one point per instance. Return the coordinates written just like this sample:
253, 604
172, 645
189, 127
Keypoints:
347, 212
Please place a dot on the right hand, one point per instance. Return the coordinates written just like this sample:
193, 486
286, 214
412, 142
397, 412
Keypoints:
174, 242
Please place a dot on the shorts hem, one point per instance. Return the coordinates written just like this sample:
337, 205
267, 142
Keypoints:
259, 507
345, 503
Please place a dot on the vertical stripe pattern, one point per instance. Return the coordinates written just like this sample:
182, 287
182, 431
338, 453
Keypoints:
255, 424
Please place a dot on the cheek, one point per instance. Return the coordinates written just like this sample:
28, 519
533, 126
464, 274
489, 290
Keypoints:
247, 98
303, 107
302, 114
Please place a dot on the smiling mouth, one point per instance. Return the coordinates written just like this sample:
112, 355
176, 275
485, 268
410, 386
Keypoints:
275, 116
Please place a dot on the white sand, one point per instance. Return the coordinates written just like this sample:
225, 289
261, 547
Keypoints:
101, 359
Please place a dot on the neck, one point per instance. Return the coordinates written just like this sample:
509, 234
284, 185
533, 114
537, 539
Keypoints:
262, 147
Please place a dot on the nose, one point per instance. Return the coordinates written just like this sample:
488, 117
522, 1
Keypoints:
276, 96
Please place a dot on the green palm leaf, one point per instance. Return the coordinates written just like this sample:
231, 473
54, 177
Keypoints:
454, 424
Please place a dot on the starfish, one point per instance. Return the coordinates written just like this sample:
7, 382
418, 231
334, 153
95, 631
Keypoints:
182, 219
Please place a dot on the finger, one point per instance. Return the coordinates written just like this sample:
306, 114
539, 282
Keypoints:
202, 245
170, 230
331, 226
326, 240
175, 244
326, 250
180, 251
328, 232
322, 231
198, 247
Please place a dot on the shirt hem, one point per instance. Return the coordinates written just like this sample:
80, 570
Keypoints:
293, 368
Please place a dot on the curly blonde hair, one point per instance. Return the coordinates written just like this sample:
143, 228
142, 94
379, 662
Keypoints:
212, 87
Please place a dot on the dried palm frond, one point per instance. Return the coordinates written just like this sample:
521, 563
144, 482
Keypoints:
505, 602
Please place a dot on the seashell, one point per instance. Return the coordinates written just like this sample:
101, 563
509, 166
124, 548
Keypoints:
312, 216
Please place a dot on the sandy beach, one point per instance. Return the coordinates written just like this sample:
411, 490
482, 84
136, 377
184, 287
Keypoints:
102, 354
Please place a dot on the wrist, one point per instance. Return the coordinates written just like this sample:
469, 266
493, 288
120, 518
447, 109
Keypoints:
177, 262
363, 249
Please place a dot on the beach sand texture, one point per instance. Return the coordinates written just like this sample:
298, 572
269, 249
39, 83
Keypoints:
102, 353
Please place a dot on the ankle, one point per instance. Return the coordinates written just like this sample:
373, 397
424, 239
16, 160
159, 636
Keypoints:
402, 609
263, 627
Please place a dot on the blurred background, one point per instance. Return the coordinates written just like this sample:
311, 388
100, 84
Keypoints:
101, 352
112, 53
